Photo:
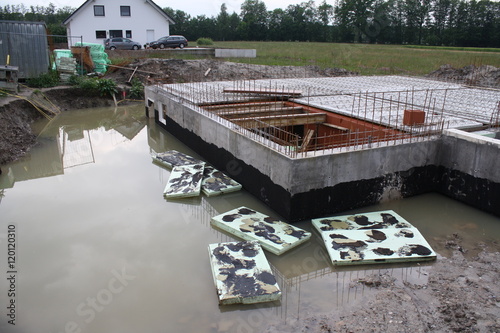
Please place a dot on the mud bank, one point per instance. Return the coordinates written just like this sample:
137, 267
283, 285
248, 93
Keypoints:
17, 136
17, 115
461, 294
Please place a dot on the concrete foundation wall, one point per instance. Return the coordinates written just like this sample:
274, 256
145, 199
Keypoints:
457, 164
267, 161
303, 174
472, 154
329, 170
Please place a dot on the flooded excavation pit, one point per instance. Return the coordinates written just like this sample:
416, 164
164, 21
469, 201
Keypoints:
119, 257
315, 146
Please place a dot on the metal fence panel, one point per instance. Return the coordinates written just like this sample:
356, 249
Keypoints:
25, 43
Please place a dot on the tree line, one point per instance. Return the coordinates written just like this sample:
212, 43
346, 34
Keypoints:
464, 23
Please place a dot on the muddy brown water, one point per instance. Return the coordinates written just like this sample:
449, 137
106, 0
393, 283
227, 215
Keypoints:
99, 249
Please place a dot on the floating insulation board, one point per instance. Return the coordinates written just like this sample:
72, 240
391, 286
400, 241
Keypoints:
184, 181
173, 158
374, 220
372, 238
355, 247
274, 236
242, 274
216, 182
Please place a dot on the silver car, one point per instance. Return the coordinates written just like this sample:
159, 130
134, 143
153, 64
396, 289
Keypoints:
121, 44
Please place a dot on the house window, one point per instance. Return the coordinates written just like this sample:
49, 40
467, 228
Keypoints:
115, 33
125, 10
98, 10
100, 34
128, 33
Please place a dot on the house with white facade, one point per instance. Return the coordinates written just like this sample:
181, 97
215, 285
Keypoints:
95, 20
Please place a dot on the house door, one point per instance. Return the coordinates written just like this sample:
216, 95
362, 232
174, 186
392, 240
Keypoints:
150, 35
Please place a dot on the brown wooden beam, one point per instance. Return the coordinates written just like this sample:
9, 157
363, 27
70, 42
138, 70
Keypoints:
242, 105
281, 120
248, 113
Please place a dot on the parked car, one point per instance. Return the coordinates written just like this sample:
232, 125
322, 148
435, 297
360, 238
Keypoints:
121, 44
169, 41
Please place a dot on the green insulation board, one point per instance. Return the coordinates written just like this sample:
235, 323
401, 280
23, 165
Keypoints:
274, 235
216, 182
372, 246
242, 273
174, 158
371, 238
184, 181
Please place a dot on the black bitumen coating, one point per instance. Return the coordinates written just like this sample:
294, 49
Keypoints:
383, 251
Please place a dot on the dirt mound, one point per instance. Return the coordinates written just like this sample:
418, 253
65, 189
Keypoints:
156, 70
483, 76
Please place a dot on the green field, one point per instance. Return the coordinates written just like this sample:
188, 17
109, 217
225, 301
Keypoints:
367, 59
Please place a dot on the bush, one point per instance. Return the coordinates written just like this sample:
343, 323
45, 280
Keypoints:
75, 80
45, 80
137, 89
204, 41
89, 86
106, 87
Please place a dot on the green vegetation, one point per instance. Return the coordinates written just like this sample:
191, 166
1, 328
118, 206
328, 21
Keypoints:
46, 80
460, 23
89, 86
51, 15
137, 89
204, 41
94, 86
106, 87
367, 59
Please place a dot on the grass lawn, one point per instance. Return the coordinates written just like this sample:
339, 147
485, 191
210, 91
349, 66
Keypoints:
367, 59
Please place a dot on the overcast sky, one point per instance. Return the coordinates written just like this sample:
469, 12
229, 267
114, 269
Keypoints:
192, 7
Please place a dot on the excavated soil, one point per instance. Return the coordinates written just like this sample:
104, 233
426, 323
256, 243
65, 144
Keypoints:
179, 71
462, 294
483, 76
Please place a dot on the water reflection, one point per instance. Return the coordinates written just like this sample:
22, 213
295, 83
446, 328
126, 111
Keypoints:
94, 228
65, 142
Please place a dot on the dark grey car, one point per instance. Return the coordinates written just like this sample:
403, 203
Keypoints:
169, 41
121, 44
